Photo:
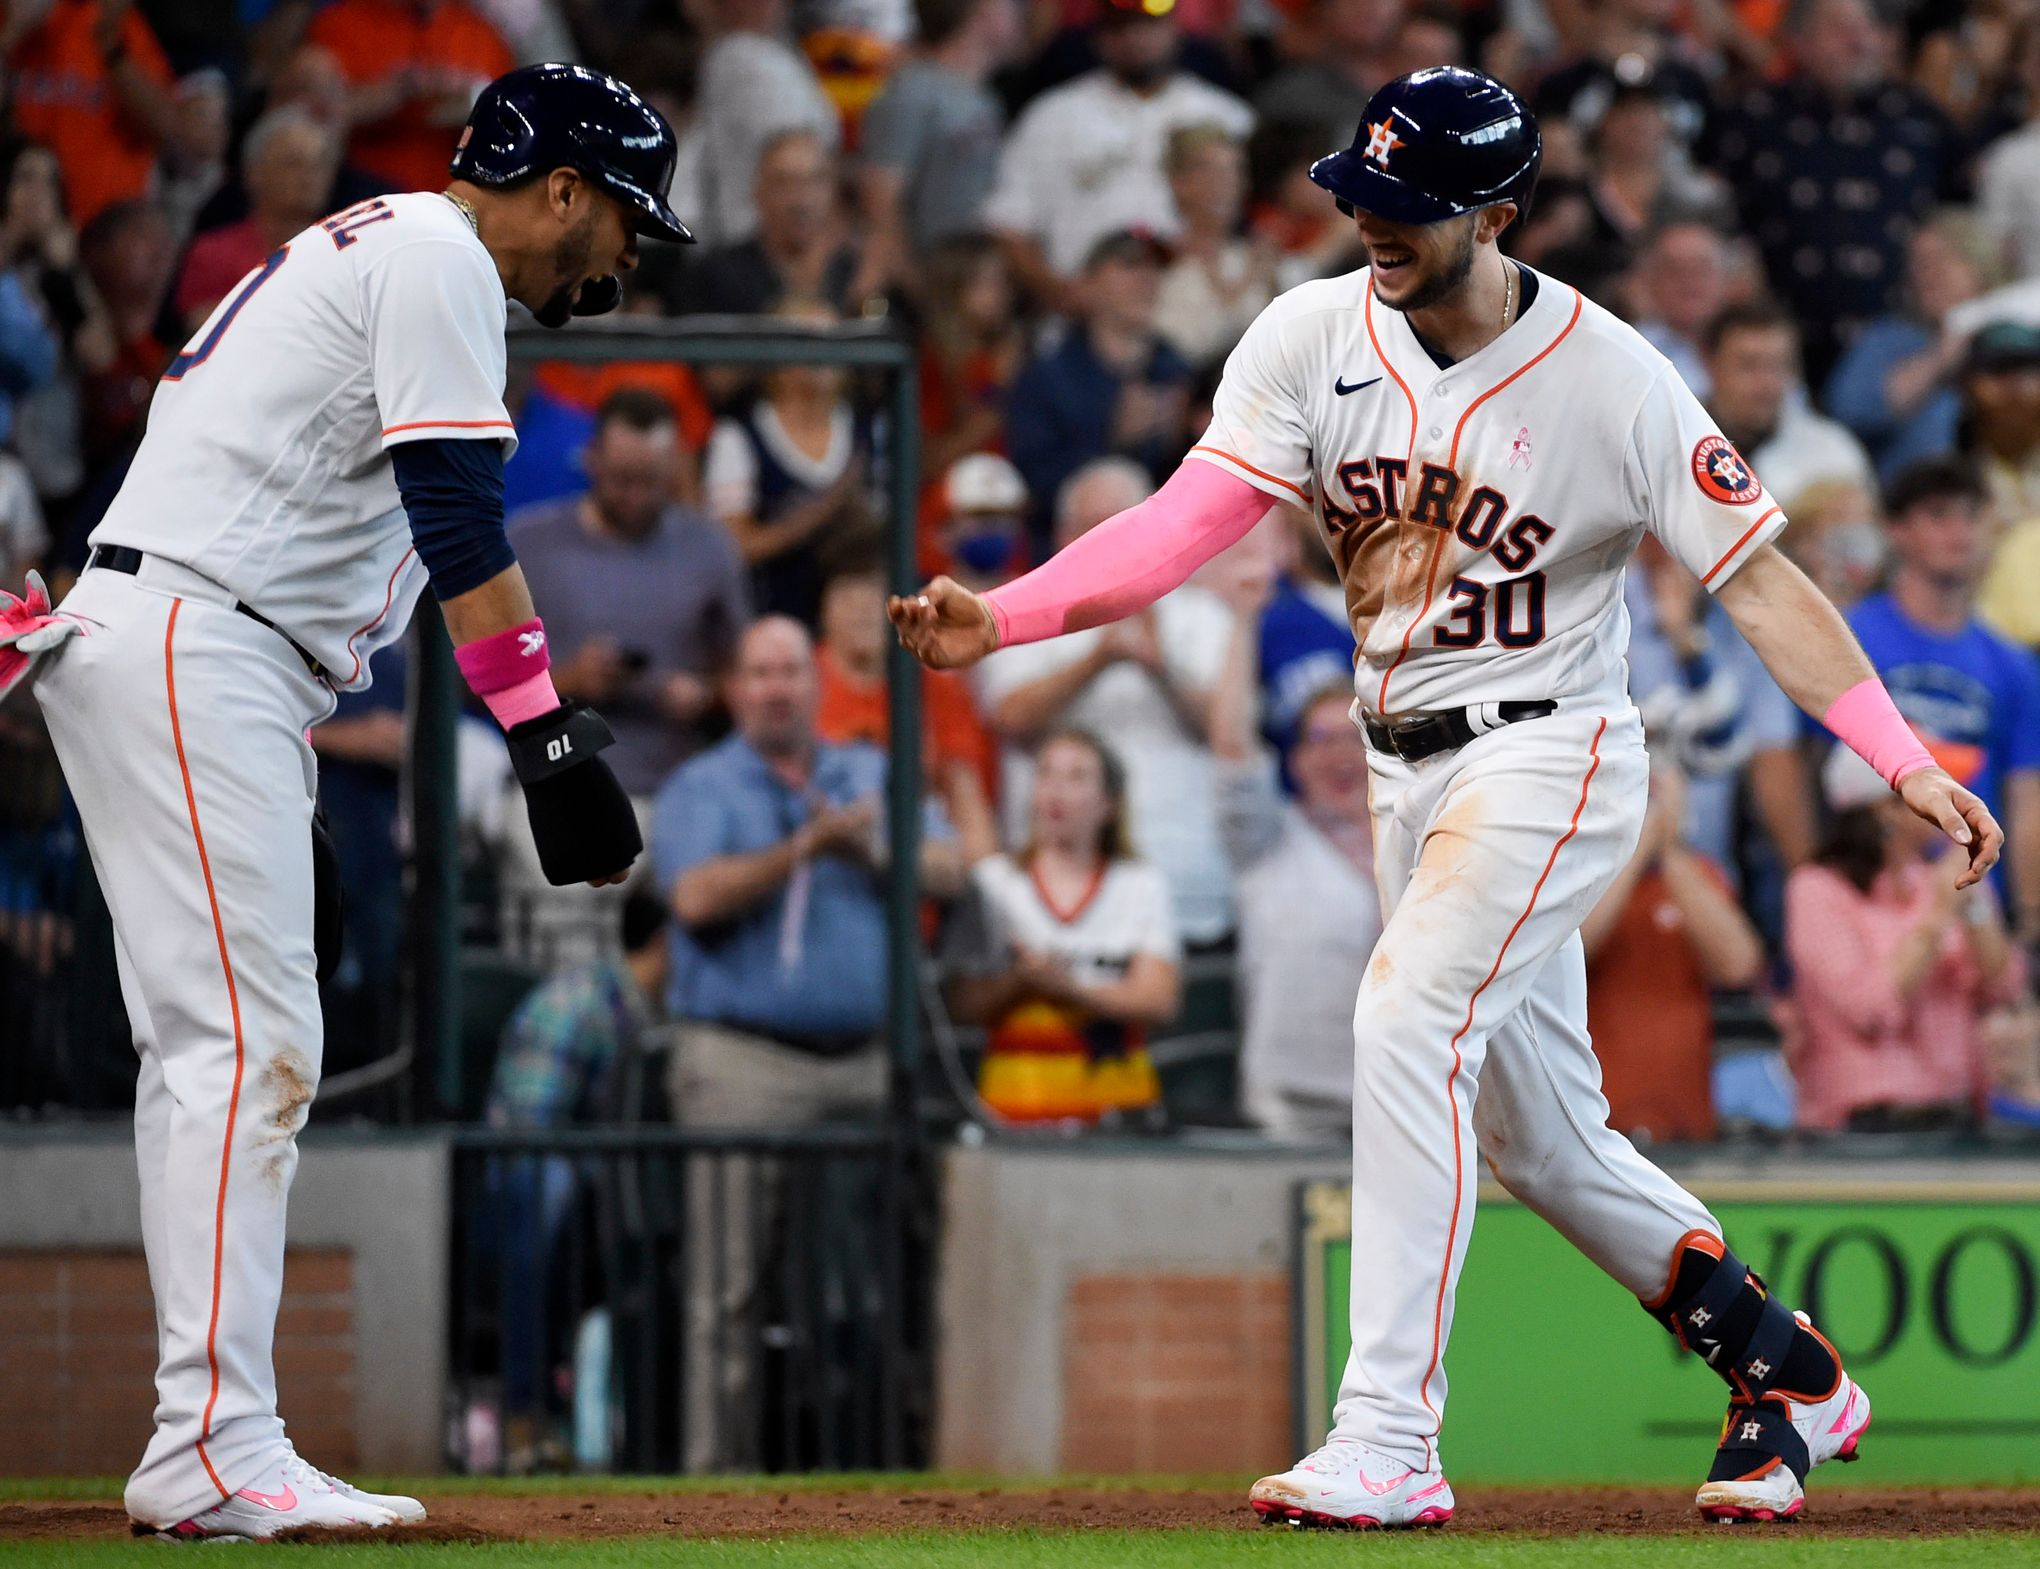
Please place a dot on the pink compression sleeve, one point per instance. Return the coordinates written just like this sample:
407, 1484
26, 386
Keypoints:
1866, 719
1131, 559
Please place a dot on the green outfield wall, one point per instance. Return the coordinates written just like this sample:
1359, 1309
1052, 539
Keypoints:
1555, 1374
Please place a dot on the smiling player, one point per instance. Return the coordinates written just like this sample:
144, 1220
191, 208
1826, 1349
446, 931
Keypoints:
1483, 448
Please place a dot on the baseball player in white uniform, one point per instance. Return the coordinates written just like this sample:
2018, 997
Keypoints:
333, 436
1483, 448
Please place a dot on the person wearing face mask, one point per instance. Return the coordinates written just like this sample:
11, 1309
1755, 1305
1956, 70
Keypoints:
1088, 158
980, 529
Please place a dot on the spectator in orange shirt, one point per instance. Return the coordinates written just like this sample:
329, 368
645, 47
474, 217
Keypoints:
1665, 935
414, 67
957, 755
92, 84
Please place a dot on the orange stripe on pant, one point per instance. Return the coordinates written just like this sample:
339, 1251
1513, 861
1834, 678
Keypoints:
234, 1006
1452, 1080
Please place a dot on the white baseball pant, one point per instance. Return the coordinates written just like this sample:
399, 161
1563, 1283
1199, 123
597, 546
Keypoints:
181, 725
1471, 1036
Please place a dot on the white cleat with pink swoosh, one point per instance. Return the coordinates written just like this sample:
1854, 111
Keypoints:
1347, 1485
289, 1496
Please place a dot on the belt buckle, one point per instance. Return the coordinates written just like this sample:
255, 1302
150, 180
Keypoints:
1392, 737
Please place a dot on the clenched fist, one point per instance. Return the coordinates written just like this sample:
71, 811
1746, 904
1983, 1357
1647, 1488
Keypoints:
945, 626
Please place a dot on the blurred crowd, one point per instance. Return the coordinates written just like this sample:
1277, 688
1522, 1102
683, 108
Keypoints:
1146, 846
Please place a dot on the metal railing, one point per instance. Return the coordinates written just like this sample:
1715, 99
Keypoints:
434, 1008
659, 1300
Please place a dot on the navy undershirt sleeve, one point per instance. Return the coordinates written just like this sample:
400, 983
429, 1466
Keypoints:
453, 494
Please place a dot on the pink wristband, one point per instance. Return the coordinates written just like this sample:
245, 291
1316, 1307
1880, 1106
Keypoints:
511, 672
1869, 723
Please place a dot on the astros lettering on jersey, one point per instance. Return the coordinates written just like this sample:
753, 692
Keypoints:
1471, 511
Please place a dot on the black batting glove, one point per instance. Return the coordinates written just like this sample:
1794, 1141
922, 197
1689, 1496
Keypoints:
580, 818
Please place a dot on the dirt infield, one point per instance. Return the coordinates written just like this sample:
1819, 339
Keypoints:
1611, 1511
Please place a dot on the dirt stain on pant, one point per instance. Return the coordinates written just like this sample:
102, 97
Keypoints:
286, 1086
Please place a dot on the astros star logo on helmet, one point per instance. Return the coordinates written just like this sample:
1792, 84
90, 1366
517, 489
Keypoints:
1381, 141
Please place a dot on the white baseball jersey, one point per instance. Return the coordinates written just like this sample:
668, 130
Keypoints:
265, 466
1481, 515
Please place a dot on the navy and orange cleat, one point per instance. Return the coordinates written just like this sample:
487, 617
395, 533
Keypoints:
1768, 1449
1347, 1485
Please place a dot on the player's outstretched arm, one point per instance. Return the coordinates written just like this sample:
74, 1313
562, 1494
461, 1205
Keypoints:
1809, 649
1124, 564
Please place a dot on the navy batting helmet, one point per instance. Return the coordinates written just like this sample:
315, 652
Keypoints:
544, 117
1435, 144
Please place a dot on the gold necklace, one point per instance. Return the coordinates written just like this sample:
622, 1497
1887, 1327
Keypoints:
467, 211
1508, 292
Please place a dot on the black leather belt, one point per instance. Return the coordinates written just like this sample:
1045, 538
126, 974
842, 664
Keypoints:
128, 560
1416, 739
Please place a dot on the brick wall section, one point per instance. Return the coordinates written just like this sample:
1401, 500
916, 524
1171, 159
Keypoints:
78, 1359
1177, 1373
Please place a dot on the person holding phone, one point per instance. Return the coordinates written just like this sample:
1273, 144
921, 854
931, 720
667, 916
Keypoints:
645, 599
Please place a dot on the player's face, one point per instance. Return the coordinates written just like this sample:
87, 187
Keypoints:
1418, 265
599, 241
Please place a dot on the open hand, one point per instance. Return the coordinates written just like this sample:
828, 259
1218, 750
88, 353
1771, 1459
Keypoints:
1933, 795
945, 626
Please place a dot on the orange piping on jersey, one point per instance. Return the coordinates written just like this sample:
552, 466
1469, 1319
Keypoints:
1273, 479
1394, 374
1381, 701
450, 424
1452, 1079
1732, 549
1460, 429
212, 1327
389, 595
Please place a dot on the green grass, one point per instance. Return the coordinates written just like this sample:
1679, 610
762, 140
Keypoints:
1117, 1549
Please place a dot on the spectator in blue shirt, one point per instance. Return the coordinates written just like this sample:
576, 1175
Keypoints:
1961, 685
1306, 639
1110, 386
768, 848
28, 349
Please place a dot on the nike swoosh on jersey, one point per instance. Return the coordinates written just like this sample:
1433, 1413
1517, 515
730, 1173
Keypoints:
1340, 387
